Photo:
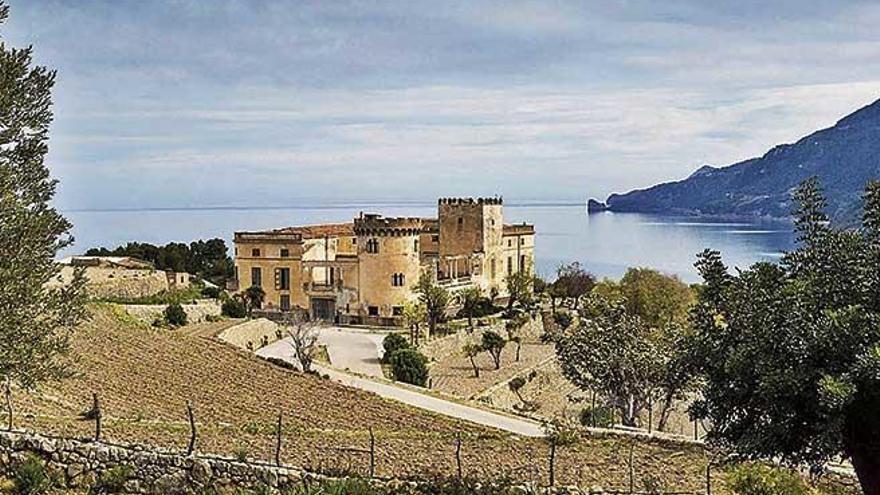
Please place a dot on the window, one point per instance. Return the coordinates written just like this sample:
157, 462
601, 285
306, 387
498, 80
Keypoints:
236, 251
492, 268
398, 280
256, 276
373, 310
435, 238
285, 302
354, 241
285, 253
522, 241
282, 278
460, 223
416, 245
509, 242
373, 246
255, 252
397, 311
522, 263
509, 265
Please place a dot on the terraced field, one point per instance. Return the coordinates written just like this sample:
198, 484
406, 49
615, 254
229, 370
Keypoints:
145, 376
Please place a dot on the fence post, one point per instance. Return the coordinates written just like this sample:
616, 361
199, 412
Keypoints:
593, 410
278, 441
458, 454
696, 432
709, 477
8, 394
372, 454
632, 468
552, 462
192, 428
650, 414
96, 409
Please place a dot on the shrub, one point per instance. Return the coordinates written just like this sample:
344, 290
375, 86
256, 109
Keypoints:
175, 315
212, 292
113, 480
394, 342
241, 453
233, 308
494, 344
409, 366
599, 417
30, 477
563, 320
761, 479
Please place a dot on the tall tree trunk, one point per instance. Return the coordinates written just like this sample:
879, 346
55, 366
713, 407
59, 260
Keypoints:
518, 347
665, 410
861, 440
476, 370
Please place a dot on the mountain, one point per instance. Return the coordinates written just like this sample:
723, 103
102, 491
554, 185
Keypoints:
844, 157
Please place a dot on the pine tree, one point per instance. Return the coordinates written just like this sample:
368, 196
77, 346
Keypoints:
36, 317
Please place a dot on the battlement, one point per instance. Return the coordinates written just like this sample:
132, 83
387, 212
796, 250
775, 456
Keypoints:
497, 200
372, 224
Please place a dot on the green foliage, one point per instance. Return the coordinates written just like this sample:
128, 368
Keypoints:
494, 344
182, 296
658, 299
434, 298
233, 308
211, 292
760, 479
36, 318
563, 320
241, 453
599, 417
29, 477
253, 298
409, 366
572, 282
113, 480
519, 290
393, 342
790, 353
175, 315
206, 259
474, 305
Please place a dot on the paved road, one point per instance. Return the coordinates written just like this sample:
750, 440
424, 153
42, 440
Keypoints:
282, 350
353, 350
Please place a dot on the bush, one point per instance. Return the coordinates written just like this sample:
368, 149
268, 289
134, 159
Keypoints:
233, 308
599, 417
563, 320
30, 477
409, 366
761, 479
175, 315
113, 480
394, 342
212, 292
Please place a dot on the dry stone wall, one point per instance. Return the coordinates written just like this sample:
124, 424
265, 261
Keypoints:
195, 313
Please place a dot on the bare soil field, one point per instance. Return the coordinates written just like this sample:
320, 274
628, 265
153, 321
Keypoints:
145, 376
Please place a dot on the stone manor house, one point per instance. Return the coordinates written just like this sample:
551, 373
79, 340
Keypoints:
364, 271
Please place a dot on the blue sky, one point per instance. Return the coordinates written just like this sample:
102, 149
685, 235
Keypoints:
252, 103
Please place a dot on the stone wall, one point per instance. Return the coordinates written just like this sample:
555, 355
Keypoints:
254, 332
195, 313
79, 464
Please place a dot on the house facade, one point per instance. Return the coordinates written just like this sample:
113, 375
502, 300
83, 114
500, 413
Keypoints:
365, 271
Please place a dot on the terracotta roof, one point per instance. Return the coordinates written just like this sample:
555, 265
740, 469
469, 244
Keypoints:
318, 231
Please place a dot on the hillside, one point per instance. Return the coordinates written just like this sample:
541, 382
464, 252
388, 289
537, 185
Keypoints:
844, 157
144, 377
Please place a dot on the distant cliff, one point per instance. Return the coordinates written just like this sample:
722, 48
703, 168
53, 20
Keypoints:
844, 157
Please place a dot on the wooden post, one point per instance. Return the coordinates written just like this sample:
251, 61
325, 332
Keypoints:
372, 453
192, 428
458, 454
632, 468
8, 390
709, 477
650, 415
696, 432
96, 410
278, 442
593, 410
552, 462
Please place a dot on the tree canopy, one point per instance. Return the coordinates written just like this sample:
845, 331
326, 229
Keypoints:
207, 259
790, 353
36, 317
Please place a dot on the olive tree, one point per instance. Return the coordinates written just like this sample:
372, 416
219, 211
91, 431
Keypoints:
38, 311
494, 344
303, 335
790, 353
434, 298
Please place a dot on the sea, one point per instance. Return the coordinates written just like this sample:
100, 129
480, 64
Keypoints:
605, 243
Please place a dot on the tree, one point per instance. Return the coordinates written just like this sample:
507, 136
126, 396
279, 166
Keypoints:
615, 354
234, 308
303, 335
36, 316
790, 353
472, 350
253, 298
514, 328
657, 298
174, 315
515, 385
394, 342
435, 299
573, 282
494, 344
414, 313
471, 300
409, 366
519, 290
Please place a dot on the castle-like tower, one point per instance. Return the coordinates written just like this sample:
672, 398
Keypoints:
471, 232
388, 262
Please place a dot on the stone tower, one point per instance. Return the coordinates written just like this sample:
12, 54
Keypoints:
472, 228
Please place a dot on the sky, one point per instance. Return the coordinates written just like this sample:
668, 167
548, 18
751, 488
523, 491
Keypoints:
184, 103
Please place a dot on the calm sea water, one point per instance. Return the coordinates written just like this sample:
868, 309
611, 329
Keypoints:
606, 243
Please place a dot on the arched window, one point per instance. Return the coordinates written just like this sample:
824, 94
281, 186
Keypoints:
398, 280
373, 246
